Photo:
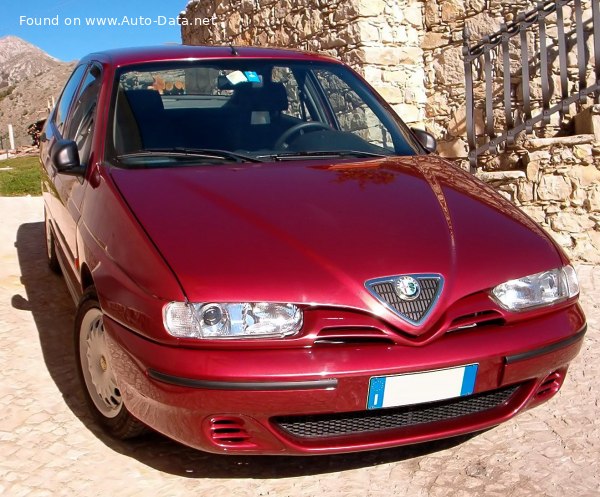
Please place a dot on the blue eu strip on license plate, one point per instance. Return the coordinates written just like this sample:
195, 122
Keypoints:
417, 388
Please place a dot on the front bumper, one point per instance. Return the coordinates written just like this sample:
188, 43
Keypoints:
314, 400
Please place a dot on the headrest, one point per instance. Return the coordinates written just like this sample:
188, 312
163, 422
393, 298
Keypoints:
144, 102
268, 97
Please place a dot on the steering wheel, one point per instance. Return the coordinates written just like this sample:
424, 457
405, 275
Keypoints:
300, 128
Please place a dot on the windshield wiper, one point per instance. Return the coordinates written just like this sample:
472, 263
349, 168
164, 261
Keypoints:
203, 153
324, 154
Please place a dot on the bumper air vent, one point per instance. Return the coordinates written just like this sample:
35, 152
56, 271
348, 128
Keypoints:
477, 319
229, 431
353, 336
550, 385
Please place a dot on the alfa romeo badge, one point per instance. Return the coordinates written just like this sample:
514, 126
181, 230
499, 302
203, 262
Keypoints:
407, 288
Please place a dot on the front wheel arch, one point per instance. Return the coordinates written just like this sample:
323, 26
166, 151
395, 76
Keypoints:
87, 280
96, 372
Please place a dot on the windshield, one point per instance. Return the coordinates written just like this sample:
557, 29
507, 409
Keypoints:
248, 110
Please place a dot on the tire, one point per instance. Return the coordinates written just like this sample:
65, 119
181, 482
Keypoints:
96, 374
51, 246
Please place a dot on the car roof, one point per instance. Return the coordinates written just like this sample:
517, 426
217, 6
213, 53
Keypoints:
138, 55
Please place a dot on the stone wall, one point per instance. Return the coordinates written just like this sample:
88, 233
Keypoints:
445, 23
560, 189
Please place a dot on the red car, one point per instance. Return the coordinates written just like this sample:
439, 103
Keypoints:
267, 260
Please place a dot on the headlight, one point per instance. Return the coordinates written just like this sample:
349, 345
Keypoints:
545, 288
232, 320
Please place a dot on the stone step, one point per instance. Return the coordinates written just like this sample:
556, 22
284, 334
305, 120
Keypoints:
580, 139
588, 121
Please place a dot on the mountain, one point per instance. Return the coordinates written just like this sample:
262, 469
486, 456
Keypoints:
20, 60
29, 78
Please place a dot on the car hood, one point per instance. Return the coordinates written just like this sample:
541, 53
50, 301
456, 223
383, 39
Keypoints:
314, 232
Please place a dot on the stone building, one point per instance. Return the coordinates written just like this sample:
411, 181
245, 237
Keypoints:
411, 51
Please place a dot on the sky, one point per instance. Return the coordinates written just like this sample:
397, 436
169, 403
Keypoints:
68, 41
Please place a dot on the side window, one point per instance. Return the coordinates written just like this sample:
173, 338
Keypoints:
81, 121
66, 98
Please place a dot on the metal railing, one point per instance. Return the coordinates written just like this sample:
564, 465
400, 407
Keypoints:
488, 63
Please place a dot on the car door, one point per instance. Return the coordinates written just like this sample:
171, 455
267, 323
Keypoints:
73, 119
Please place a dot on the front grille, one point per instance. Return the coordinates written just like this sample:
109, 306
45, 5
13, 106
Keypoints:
414, 310
334, 425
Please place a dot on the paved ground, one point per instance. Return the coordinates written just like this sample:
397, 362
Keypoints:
49, 445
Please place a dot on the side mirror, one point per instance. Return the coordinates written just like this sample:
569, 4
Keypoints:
65, 157
426, 139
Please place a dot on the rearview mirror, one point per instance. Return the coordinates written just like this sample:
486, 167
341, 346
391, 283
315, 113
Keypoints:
65, 157
426, 139
223, 83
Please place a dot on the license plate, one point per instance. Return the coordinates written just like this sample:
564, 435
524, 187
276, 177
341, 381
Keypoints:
417, 388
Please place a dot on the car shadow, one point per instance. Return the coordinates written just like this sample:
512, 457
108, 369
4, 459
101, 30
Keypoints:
53, 311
